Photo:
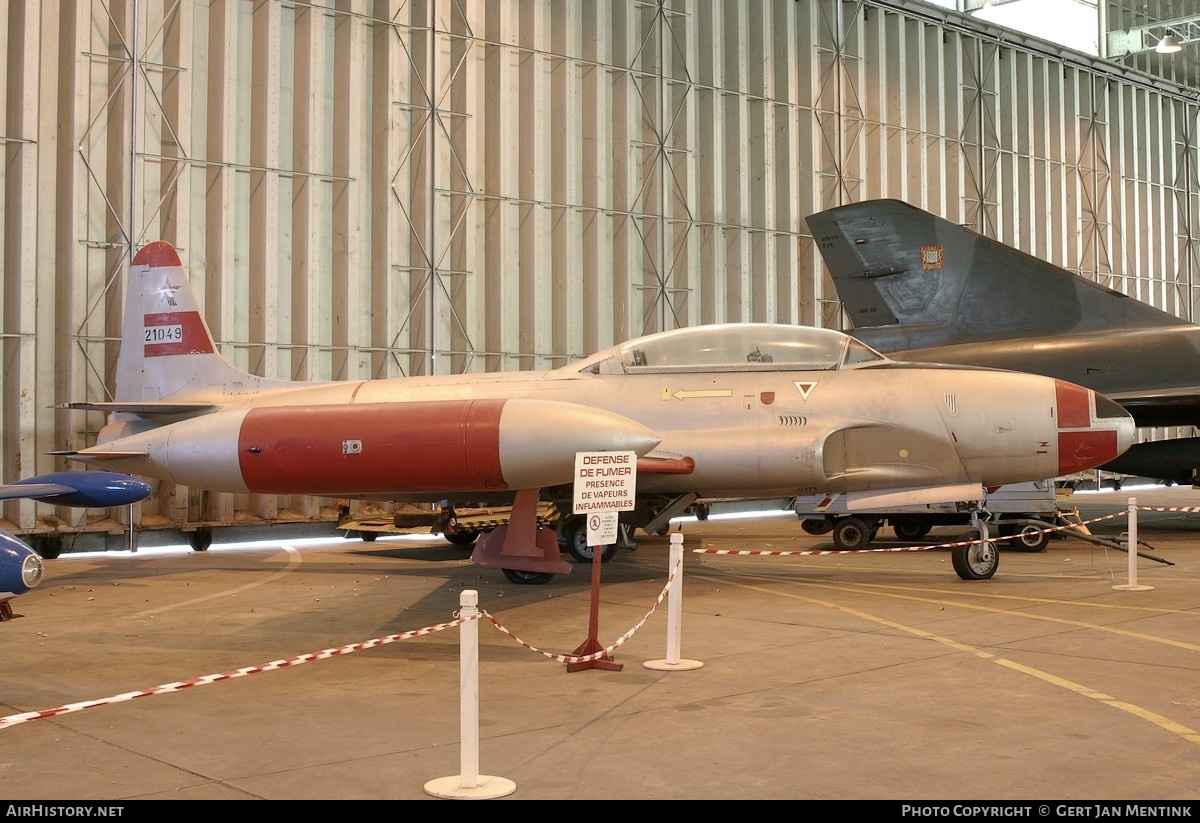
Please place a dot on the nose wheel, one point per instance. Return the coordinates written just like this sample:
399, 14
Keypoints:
573, 535
976, 561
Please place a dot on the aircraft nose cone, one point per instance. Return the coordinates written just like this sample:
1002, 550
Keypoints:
1087, 440
1112, 413
641, 439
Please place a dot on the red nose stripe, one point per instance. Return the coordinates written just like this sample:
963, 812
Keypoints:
1082, 450
1074, 406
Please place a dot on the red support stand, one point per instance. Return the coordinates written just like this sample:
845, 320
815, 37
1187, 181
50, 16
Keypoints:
592, 645
520, 543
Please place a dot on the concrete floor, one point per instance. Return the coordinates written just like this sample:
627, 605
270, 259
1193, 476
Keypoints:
333, 671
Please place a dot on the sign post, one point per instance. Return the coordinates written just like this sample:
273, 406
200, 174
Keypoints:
605, 483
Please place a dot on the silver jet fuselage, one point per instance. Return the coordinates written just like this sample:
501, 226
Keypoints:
725, 411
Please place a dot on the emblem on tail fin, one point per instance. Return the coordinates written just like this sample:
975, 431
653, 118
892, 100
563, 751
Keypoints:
167, 293
931, 258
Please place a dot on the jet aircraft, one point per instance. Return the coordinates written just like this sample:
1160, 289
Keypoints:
21, 567
921, 288
738, 410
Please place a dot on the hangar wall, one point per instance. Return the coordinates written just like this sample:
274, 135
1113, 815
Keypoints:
376, 188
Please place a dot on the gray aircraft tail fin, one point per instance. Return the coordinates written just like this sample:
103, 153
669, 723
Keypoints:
167, 350
909, 279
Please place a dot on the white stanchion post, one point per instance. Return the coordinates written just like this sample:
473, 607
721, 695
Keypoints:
674, 615
1133, 542
468, 685
1131, 549
469, 783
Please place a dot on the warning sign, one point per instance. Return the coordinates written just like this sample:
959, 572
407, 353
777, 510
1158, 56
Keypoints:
605, 481
602, 528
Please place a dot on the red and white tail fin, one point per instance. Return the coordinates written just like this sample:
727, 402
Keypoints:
167, 351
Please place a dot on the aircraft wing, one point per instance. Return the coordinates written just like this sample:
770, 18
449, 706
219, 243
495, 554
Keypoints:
21, 568
84, 489
1151, 372
15, 491
1179, 406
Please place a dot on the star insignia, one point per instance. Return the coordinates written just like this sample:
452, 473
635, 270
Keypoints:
166, 293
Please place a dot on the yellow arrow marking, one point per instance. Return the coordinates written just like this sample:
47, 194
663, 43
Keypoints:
684, 395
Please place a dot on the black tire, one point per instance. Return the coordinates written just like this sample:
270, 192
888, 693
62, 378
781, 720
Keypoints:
1026, 537
701, 510
975, 561
527, 578
368, 537
574, 538
48, 546
201, 539
852, 534
461, 538
910, 528
816, 527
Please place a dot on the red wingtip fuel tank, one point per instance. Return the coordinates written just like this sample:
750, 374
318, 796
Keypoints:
379, 449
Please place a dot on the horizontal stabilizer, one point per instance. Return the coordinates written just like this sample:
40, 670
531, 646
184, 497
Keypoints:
141, 408
97, 455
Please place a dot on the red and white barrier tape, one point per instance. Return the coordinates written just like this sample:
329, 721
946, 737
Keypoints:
818, 552
167, 688
607, 650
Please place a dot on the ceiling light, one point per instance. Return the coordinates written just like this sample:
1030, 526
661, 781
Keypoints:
1169, 45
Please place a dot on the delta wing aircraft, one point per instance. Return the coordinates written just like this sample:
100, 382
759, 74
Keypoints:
21, 567
921, 288
739, 410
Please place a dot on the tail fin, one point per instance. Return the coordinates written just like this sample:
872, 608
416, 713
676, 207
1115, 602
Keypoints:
909, 279
167, 351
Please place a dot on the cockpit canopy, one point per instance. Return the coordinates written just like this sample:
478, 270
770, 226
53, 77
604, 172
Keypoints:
735, 347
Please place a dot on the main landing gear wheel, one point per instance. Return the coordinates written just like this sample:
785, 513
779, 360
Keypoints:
852, 534
975, 561
1027, 538
816, 527
201, 538
461, 538
48, 546
527, 578
910, 529
575, 532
